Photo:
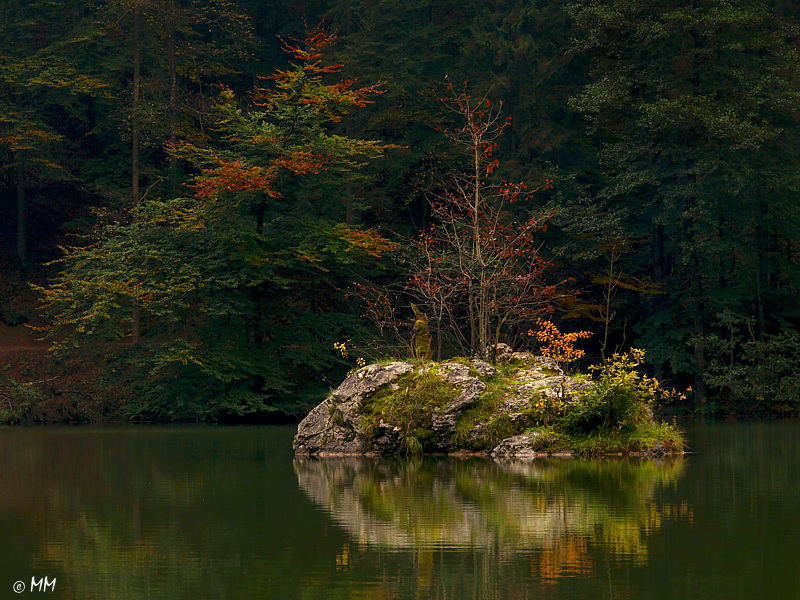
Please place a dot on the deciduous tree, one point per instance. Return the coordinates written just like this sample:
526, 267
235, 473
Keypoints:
478, 270
230, 280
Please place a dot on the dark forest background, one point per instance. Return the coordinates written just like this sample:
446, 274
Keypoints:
195, 236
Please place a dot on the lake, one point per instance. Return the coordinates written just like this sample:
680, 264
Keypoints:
228, 512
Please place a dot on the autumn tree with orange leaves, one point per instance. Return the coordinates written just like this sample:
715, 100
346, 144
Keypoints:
235, 281
476, 270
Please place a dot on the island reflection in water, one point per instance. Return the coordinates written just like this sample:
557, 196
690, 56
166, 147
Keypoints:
556, 508
227, 512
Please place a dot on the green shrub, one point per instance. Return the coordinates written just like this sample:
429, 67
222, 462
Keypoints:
620, 399
757, 375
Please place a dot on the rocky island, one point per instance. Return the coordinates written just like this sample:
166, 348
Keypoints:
524, 407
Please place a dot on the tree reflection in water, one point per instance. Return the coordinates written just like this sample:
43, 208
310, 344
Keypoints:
559, 513
188, 513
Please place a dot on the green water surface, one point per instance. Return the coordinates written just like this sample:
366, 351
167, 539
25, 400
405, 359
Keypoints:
228, 512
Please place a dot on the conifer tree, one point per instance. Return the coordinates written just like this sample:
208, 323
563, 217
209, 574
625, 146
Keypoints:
694, 109
224, 278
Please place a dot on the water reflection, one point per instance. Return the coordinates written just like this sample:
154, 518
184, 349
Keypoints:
133, 513
196, 513
555, 508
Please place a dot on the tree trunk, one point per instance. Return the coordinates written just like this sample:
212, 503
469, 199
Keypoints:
698, 330
760, 312
351, 191
137, 76
478, 254
659, 270
22, 228
135, 324
173, 101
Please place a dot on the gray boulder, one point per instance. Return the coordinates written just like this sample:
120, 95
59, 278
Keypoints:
335, 425
444, 423
523, 446
338, 426
479, 410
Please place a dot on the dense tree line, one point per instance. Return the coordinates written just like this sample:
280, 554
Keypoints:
227, 190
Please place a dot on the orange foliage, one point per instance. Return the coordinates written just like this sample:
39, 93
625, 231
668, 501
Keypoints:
558, 346
301, 85
234, 177
307, 79
368, 240
301, 163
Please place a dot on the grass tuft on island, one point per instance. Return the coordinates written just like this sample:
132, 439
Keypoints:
609, 413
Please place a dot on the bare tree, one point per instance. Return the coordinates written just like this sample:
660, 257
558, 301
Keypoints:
477, 271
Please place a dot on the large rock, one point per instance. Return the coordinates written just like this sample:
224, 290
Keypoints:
444, 422
527, 445
338, 425
477, 409
335, 425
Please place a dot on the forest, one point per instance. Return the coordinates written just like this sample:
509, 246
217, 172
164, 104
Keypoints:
212, 210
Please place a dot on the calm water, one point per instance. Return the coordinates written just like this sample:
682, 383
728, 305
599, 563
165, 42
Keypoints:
216, 513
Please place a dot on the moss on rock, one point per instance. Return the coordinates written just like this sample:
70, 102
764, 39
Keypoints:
468, 405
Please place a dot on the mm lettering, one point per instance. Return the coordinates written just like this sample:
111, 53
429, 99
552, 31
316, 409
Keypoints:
41, 585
